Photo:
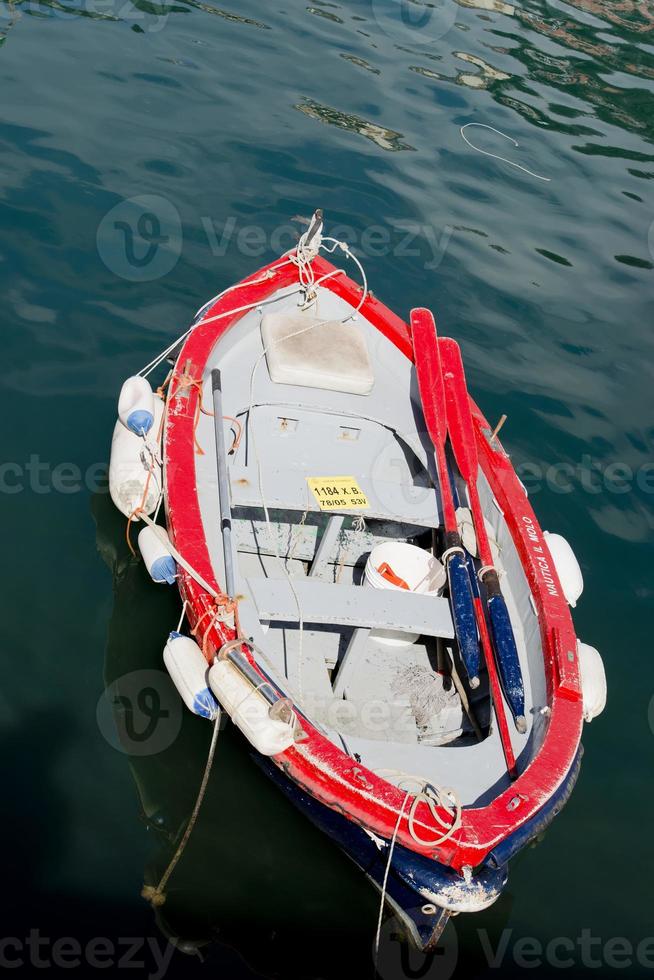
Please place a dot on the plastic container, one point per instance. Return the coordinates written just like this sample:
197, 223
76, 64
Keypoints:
249, 710
188, 670
156, 556
136, 405
415, 567
131, 457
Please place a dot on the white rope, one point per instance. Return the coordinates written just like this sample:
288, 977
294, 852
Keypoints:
495, 155
386, 873
181, 618
149, 368
446, 798
350, 255
239, 285
158, 507
307, 284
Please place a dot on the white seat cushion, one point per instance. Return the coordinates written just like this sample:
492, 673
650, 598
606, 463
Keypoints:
301, 349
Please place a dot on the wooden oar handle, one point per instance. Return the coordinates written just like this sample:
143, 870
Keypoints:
451, 539
491, 582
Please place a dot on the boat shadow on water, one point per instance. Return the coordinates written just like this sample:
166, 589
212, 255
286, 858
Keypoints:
255, 876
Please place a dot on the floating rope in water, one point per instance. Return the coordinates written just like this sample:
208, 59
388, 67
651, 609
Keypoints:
156, 895
495, 156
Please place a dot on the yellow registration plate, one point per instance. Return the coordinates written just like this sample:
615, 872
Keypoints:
338, 493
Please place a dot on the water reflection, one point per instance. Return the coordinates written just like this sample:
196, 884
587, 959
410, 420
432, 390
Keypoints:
11, 18
145, 16
385, 139
497, 6
254, 865
360, 63
328, 15
482, 79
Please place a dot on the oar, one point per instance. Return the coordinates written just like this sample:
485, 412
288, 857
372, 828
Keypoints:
464, 446
432, 395
223, 484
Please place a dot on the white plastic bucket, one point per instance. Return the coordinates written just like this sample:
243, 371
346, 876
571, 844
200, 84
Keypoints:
422, 573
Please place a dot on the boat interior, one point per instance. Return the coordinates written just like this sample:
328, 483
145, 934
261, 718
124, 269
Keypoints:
321, 394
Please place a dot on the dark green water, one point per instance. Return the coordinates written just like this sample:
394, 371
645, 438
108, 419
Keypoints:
236, 120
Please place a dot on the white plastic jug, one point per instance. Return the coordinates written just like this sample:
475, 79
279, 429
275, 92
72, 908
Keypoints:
136, 405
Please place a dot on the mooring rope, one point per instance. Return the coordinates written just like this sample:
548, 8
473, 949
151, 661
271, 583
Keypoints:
446, 798
156, 895
386, 873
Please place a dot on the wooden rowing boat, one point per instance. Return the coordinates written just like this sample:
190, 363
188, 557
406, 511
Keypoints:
298, 444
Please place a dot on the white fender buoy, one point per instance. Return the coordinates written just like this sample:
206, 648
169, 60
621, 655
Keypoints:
132, 458
567, 567
136, 405
156, 556
188, 669
249, 710
593, 680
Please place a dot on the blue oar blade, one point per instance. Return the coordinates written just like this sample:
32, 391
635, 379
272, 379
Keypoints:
463, 614
507, 659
